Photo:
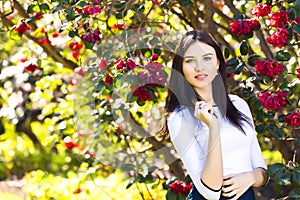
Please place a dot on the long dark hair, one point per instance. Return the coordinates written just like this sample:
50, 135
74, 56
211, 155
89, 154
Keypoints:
181, 93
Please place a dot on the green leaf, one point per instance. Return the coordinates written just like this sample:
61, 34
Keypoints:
283, 177
238, 16
139, 8
44, 8
252, 59
119, 5
70, 14
14, 35
239, 68
297, 28
80, 4
56, 9
296, 178
127, 167
230, 69
244, 48
260, 129
278, 134
73, 33
88, 45
226, 53
171, 195
273, 169
283, 55
32, 8
290, 1
281, 118
232, 62
133, 79
130, 183
186, 3
295, 193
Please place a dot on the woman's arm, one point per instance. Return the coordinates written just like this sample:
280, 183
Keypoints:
235, 185
212, 174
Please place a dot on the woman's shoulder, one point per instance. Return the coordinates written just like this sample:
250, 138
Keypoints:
237, 101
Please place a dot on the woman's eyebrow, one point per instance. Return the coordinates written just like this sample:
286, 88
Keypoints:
207, 54
189, 57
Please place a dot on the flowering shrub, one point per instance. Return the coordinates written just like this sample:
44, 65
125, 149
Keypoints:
268, 67
273, 100
57, 42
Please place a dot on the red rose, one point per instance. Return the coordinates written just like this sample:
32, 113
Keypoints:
31, 68
293, 118
180, 187
108, 79
103, 65
142, 94
246, 26
119, 63
279, 38
273, 100
153, 67
130, 64
268, 67
75, 46
154, 57
298, 75
22, 28
280, 19
261, 10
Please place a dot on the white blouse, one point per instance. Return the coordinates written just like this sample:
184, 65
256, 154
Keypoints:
240, 152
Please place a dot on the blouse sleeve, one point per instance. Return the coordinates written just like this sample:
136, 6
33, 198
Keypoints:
189, 150
256, 154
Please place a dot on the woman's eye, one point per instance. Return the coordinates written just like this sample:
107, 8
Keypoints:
207, 58
190, 61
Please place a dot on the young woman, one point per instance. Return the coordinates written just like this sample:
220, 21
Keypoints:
213, 132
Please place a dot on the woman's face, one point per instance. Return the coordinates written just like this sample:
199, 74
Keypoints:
200, 65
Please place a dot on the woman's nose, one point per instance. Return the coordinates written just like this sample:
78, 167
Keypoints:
198, 67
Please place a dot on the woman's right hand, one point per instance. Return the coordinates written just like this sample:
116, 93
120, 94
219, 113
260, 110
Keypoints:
205, 112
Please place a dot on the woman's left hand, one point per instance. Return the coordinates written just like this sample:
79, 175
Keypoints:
235, 185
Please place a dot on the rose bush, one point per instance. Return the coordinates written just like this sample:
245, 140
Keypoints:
105, 64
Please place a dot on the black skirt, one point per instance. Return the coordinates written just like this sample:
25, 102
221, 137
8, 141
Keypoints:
195, 195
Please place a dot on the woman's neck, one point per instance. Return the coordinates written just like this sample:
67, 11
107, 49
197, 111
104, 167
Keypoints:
205, 94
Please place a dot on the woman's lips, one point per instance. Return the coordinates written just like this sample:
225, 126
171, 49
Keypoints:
201, 76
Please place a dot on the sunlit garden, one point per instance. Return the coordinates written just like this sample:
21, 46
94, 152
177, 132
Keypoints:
83, 86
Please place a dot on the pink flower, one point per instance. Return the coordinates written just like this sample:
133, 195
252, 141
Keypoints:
22, 28
75, 46
38, 15
130, 64
92, 10
153, 67
142, 93
246, 26
154, 57
108, 79
31, 68
273, 100
44, 41
298, 75
280, 19
293, 118
92, 37
119, 64
103, 65
268, 67
279, 38
118, 26
261, 10
180, 187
